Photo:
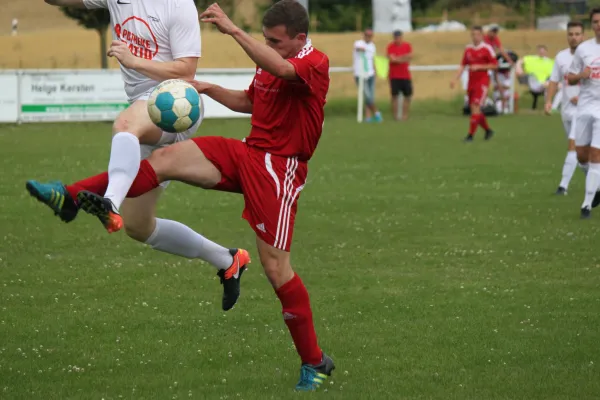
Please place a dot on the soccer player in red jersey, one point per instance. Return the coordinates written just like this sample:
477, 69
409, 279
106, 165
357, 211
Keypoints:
286, 99
480, 58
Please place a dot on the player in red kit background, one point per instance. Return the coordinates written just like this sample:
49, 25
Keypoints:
286, 99
480, 58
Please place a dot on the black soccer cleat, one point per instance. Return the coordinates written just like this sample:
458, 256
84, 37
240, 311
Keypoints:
489, 134
56, 196
230, 277
561, 191
586, 213
468, 139
596, 201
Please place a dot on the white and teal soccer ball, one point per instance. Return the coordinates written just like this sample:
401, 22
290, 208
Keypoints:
175, 106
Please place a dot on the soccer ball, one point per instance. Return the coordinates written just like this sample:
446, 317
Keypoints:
175, 106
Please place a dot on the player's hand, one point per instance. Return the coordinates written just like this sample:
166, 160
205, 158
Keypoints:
574, 100
452, 84
586, 73
121, 52
548, 108
215, 15
201, 87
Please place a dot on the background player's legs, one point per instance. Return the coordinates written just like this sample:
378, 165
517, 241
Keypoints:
592, 181
172, 237
569, 168
131, 128
295, 301
570, 160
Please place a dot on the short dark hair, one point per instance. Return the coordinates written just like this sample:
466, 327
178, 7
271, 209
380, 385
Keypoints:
594, 11
477, 28
575, 24
289, 13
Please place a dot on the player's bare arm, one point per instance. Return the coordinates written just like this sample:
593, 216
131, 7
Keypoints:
66, 3
454, 81
574, 79
181, 68
235, 100
550, 93
262, 55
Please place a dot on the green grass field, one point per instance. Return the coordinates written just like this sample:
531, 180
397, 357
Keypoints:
437, 270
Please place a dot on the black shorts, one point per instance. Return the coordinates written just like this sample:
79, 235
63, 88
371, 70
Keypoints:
403, 86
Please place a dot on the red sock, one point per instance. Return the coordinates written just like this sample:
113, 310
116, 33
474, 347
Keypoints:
145, 181
95, 184
473, 123
483, 122
298, 318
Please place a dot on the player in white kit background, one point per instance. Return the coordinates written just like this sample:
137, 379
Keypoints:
585, 70
569, 97
153, 40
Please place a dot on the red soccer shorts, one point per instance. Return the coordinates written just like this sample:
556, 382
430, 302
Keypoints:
477, 94
270, 184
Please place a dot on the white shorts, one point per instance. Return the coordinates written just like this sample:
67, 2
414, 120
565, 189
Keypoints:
169, 138
569, 125
587, 130
504, 80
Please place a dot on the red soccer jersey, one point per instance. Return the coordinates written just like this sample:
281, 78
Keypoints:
479, 55
399, 71
493, 41
287, 116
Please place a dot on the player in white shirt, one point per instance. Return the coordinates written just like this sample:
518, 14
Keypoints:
364, 65
153, 40
568, 102
585, 70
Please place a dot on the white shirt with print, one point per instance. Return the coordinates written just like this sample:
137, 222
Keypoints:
158, 30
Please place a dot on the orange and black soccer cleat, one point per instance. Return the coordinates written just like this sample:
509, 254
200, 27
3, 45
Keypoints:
230, 277
102, 208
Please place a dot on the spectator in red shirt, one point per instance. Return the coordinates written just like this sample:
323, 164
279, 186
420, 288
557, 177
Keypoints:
399, 53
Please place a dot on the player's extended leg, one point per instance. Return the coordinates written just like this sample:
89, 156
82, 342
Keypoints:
297, 314
173, 237
131, 128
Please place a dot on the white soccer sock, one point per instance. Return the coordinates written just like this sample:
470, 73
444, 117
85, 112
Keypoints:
592, 181
175, 238
568, 169
123, 166
585, 168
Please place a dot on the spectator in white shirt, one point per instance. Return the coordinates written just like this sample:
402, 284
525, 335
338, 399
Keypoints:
364, 65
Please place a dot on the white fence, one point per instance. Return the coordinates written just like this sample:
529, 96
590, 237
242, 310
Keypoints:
98, 95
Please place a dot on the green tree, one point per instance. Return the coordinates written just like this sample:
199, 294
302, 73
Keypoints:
96, 19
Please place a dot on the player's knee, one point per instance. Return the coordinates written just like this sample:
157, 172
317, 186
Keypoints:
161, 160
122, 124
